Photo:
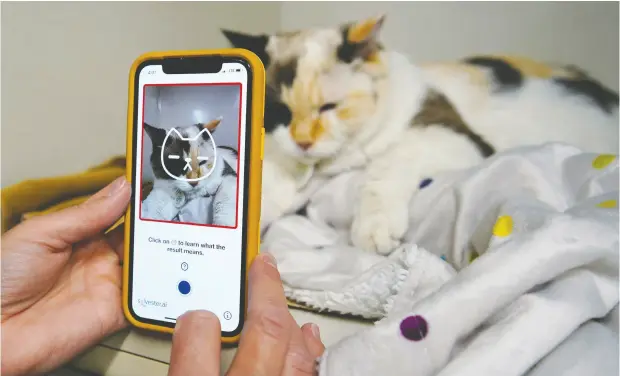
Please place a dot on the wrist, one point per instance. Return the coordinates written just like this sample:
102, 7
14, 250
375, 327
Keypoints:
17, 359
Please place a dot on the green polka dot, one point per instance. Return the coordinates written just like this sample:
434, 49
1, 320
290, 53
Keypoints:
503, 226
603, 161
472, 256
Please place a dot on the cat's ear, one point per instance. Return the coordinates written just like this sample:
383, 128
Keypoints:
212, 125
254, 43
366, 30
361, 40
157, 135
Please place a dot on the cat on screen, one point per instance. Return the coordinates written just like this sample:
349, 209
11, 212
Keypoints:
195, 180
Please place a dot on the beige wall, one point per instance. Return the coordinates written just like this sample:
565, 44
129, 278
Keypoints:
65, 69
578, 32
65, 65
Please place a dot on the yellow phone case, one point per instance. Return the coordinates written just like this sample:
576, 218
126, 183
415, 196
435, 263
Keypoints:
255, 170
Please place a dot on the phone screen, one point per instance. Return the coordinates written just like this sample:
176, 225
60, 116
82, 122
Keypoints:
191, 136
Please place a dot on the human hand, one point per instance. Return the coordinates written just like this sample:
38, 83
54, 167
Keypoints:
61, 283
271, 342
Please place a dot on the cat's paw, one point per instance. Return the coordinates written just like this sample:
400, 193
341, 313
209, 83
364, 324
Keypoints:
379, 230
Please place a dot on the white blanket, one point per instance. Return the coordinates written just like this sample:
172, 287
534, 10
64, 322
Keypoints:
541, 227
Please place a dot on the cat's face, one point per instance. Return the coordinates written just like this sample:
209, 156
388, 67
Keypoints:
183, 155
321, 85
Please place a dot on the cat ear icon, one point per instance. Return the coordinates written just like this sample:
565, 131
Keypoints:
193, 160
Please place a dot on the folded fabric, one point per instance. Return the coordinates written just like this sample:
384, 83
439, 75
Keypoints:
39, 196
530, 242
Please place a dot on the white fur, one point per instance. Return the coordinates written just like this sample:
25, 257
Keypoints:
225, 202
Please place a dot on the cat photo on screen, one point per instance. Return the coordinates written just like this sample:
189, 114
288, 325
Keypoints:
190, 162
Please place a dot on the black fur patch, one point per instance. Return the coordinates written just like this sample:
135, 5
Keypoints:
174, 146
276, 114
229, 149
254, 43
586, 86
205, 136
437, 110
284, 74
347, 51
174, 166
228, 170
506, 76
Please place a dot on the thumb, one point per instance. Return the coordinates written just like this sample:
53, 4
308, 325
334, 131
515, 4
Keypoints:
196, 345
80, 222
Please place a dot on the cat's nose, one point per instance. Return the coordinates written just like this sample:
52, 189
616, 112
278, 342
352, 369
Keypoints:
193, 183
304, 145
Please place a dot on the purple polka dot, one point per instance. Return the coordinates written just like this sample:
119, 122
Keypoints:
414, 328
425, 183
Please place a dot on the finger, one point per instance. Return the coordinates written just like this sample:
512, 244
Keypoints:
116, 240
74, 224
196, 345
299, 361
312, 337
266, 335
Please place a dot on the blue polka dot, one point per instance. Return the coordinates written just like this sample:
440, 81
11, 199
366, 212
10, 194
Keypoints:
184, 287
425, 183
443, 257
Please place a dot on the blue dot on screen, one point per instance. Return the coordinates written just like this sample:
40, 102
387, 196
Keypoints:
425, 183
184, 287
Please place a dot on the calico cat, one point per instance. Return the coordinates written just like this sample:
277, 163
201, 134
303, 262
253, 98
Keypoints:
180, 193
338, 100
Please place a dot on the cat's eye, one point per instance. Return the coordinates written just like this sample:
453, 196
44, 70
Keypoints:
327, 107
202, 160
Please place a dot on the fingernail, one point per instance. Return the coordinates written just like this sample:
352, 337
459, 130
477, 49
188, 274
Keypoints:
269, 259
315, 331
117, 185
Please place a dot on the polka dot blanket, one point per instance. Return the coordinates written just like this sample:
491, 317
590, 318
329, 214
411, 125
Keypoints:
508, 268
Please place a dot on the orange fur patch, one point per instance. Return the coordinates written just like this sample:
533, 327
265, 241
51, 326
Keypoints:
194, 173
304, 99
345, 113
212, 124
363, 30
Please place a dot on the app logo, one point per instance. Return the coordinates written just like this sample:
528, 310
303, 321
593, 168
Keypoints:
151, 303
188, 165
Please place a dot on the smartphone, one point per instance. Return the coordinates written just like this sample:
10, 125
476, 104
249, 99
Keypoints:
194, 158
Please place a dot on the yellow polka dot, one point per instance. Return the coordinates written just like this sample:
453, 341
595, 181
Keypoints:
503, 226
603, 161
609, 204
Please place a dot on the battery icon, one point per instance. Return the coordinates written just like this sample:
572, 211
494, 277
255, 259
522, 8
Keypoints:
238, 70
